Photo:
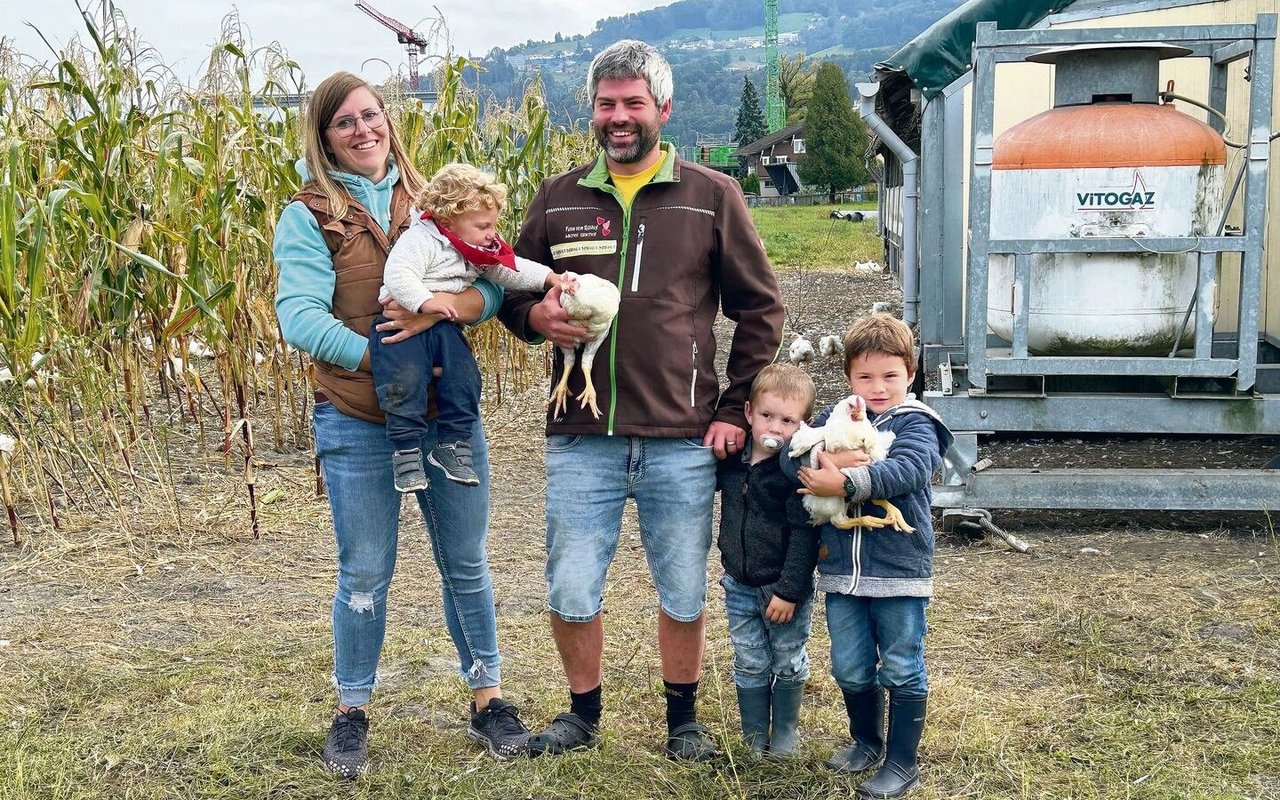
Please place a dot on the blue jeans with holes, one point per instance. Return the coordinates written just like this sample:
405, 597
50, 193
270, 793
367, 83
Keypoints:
589, 479
402, 373
764, 650
356, 458
878, 640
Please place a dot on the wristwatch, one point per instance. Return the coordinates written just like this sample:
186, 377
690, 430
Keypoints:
849, 489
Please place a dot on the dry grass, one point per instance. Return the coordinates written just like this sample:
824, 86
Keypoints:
186, 660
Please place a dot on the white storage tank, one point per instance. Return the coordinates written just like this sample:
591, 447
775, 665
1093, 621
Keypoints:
1107, 161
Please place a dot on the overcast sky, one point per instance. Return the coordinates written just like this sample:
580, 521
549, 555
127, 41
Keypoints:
321, 35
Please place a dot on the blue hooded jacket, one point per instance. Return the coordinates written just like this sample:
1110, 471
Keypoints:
885, 562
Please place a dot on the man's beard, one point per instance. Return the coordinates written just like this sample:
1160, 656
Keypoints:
646, 139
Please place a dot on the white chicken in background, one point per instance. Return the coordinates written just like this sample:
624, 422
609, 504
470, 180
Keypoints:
847, 428
866, 266
591, 303
198, 349
800, 351
829, 346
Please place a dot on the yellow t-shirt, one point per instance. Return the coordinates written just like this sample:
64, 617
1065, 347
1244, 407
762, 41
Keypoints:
628, 185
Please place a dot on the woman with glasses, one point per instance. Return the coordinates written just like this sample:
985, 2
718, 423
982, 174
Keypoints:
331, 245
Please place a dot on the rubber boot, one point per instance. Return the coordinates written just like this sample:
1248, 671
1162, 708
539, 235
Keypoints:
866, 727
753, 704
787, 696
899, 774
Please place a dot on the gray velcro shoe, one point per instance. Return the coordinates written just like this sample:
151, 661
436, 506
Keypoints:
409, 472
454, 460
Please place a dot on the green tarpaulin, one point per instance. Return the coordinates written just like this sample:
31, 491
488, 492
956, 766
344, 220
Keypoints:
935, 58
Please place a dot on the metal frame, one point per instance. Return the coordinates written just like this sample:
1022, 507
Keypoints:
1096, 9
1220, 44
1243, 397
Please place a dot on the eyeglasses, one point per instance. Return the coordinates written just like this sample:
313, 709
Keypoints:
346, 126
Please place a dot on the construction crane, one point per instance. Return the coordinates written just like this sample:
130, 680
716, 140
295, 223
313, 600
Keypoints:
413, 42
775, 109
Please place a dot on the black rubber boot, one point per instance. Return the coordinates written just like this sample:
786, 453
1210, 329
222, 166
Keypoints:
753, 704
899, 774
866, 726
787, 696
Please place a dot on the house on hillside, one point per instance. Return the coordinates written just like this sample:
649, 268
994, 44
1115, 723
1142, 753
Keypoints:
773, 160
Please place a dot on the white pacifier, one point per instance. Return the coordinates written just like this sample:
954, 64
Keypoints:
771, 443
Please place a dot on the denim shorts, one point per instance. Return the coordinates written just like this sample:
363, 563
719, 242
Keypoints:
589, 479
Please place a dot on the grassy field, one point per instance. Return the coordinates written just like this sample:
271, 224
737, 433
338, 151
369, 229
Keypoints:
168, 655
806, 237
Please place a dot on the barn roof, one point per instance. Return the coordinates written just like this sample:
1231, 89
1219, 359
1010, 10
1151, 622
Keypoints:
768, 141
935, 58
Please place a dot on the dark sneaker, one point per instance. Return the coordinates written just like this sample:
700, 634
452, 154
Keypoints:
566, 732
346, 751
410, 475
499, 728
454, 460
691, 742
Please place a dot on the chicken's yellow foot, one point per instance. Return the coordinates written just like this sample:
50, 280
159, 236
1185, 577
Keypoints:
867, 521
894, 516
588, 396
559, 400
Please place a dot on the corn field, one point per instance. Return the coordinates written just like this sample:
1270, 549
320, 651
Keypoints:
136, 276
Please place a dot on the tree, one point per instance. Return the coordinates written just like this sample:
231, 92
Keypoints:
795, 83
835, 138
751, 124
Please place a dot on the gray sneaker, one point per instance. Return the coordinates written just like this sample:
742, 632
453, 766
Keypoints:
409, 472
454, 460
346, 750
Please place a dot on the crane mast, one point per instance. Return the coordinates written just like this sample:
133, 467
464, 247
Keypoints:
775, 109
413, 42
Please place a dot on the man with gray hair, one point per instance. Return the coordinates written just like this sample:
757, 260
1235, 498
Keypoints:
679, 243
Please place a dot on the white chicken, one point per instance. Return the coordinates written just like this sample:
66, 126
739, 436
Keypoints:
591, 303
800, 351
847, 428
866, 266
830, 346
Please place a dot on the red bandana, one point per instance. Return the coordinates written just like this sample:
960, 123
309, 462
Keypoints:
482, 257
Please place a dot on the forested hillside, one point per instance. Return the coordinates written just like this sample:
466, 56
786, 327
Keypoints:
711, 44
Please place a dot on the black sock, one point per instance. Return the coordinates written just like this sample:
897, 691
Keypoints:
681, 699
586, 706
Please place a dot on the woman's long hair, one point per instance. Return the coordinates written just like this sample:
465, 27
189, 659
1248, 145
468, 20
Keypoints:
328, 96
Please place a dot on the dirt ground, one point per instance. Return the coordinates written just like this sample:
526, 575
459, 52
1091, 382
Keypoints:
179, 588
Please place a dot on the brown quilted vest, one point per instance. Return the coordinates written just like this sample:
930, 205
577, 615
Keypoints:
359, 249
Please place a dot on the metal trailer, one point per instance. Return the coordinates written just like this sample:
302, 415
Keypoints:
980, 384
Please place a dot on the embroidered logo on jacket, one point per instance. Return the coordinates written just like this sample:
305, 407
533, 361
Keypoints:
600, 228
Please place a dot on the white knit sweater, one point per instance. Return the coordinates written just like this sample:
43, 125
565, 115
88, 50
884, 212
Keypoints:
423, 262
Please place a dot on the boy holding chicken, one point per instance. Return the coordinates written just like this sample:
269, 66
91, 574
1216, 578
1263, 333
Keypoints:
878, 580
452, 241
768, 551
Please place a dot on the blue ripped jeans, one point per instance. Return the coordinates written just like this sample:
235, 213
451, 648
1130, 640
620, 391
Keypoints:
356, 458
